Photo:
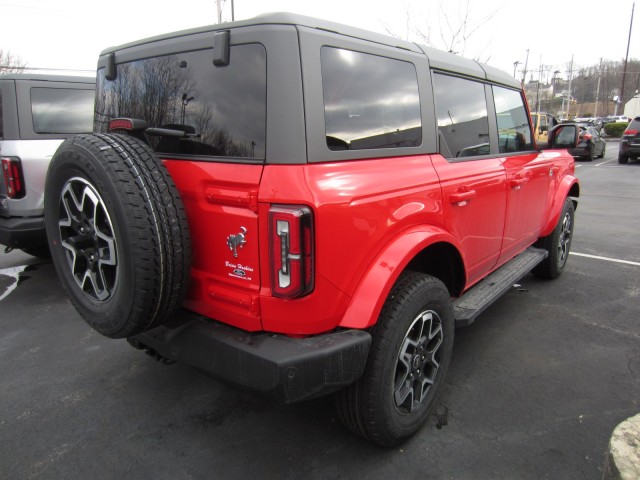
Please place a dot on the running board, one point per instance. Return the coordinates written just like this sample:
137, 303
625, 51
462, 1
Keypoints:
467, 308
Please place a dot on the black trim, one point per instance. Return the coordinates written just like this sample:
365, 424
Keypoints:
289, 369
19, 232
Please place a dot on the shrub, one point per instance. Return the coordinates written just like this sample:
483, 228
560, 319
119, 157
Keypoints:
615, 129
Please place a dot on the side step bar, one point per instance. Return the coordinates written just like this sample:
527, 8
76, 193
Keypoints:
467, 308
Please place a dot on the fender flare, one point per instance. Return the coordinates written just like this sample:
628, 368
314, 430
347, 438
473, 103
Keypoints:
373, 289
569, 187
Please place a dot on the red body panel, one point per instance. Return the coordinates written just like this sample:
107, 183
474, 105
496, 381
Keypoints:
371, 217
221, 200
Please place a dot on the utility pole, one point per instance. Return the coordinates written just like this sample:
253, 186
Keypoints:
569, 94
538, 89
626, 58
595, 110
526, 64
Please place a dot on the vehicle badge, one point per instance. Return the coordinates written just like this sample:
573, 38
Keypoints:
236, 241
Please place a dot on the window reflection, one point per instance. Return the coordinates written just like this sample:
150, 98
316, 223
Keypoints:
61, 110
1, 117
461, 108
514, 131
369, 101
221, 110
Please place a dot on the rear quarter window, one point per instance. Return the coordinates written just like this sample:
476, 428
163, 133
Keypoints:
61, 110
369, 101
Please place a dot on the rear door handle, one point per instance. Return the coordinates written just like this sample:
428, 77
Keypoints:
518, 182
461, 198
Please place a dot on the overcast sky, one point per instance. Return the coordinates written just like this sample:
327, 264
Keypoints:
69, 34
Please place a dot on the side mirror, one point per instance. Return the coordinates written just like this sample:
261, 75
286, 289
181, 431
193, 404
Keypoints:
564, 135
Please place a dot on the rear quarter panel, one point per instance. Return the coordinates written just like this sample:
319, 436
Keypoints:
360, 208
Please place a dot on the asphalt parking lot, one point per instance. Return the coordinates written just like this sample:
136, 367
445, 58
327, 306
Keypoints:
536, 385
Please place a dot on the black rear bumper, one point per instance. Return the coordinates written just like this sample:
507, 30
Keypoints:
18, 232
290, 369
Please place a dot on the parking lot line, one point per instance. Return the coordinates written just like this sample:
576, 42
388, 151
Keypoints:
608, 259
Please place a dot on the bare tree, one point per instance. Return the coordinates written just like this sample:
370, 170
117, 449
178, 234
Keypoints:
450, 28
10, 63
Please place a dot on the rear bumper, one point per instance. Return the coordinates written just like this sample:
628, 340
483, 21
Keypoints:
628, 148
18, 232
289, 369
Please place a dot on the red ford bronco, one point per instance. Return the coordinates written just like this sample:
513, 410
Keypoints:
303, 208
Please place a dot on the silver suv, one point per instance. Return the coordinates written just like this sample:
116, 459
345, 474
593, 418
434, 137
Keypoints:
37, 112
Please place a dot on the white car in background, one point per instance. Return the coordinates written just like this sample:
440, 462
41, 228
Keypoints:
37, 112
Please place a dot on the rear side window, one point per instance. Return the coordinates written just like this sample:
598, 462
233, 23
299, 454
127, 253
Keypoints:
463, 122
61, 110
369, 101
514, 132
220, 110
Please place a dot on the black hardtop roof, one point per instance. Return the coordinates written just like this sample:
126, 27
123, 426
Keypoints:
49, 77
437, 58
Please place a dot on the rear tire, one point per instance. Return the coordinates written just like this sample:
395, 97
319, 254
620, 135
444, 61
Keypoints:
117, 232
408, 360
558, 244
623, 159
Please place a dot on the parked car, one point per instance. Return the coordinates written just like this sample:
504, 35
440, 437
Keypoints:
592, 121
617, 119
630, 142
302, 225
37, 112
590, 144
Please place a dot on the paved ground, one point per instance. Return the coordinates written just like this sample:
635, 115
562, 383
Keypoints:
536, 386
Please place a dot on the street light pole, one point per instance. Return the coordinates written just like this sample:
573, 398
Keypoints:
626, 58
515, 64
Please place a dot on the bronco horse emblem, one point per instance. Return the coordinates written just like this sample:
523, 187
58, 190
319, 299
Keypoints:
236, 240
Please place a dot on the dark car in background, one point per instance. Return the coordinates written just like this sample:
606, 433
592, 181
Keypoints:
590, 144
37, 112
630, 142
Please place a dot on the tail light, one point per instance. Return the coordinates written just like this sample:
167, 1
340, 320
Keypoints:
630, 132
586, 136
12, 176
132, 126
291, 249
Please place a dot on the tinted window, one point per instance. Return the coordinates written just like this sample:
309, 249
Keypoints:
62, 110
1, 117
461, 108
369, 101
221, 110
514, 132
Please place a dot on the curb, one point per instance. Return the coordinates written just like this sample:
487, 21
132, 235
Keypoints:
623, 455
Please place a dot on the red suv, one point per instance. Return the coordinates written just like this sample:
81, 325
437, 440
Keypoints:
303, 208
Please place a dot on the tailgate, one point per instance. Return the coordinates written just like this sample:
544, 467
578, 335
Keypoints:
220, 200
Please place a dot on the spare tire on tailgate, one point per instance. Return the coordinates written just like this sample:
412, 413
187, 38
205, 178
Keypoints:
118, 233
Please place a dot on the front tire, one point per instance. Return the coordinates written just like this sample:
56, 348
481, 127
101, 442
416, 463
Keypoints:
117, 232
558, 244
408, 360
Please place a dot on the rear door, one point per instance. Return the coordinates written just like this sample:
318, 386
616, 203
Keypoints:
473, 180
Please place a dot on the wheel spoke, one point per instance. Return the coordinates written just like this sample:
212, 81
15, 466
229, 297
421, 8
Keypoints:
88, 238
418, 361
